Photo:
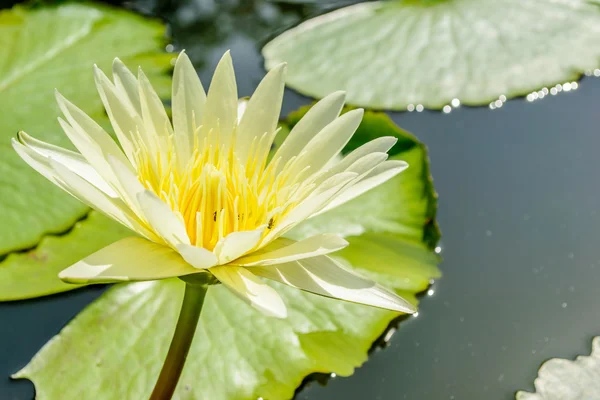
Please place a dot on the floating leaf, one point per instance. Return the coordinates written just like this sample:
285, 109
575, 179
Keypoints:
46, 48
560, 379
394, 54
34, 273
237, 352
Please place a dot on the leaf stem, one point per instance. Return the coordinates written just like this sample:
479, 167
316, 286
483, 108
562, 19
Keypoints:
193, 299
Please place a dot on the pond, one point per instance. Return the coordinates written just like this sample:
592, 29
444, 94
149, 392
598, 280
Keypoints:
518, 208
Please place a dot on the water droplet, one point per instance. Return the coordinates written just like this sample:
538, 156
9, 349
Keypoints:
430, 292
333, 375
498, 103
447, 109
545, 90
389, 334
437, 250
574, 85
169, 48
553, 91
502, 98
455, 102
597, 72
567, 86
419, 107
411, 107
415, 315
530, 97
564, 305
559, 87
541, 94
492, 106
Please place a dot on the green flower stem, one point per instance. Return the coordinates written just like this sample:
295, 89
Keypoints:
193, 299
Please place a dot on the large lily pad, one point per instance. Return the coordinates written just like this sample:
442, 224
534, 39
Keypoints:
34, 273
119, 342
560, 379
46, 48
397, 54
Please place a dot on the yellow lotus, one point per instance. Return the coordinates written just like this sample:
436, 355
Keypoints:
201, 191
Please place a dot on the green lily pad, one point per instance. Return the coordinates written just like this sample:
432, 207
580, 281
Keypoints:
120, 341
46, 48
560, 379
398, 54
34, 273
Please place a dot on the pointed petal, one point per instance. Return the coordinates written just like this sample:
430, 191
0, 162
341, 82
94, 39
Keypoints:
324, 276
156, 120
198, 257
379, 145
37, 162
127, 84
162, 219
71, 160
92, 141
382, 173
261, 115
129, 259
237, 244
124, 118
220, 110
285, 250
94, 197
251, 289
326, 144
188, 104
317, 118
318, 199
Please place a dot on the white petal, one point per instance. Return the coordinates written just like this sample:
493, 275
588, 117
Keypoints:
220, 110
316, 201
130, 186
322, 275
37, 162
237, 244
162, 219
361, 167
127, 84
130, 259
251, 289
261, 115
327, 144
198, 257
89, 138
382, 173
123, 116
317, 118
379, 145
285, 250
93, 197
188, 104
71, 160
156, 120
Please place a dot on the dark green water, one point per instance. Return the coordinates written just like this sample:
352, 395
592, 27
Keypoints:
519, 195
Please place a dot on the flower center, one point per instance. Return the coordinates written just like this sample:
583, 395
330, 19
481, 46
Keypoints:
214, 193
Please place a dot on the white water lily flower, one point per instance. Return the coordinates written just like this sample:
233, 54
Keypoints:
200, 191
